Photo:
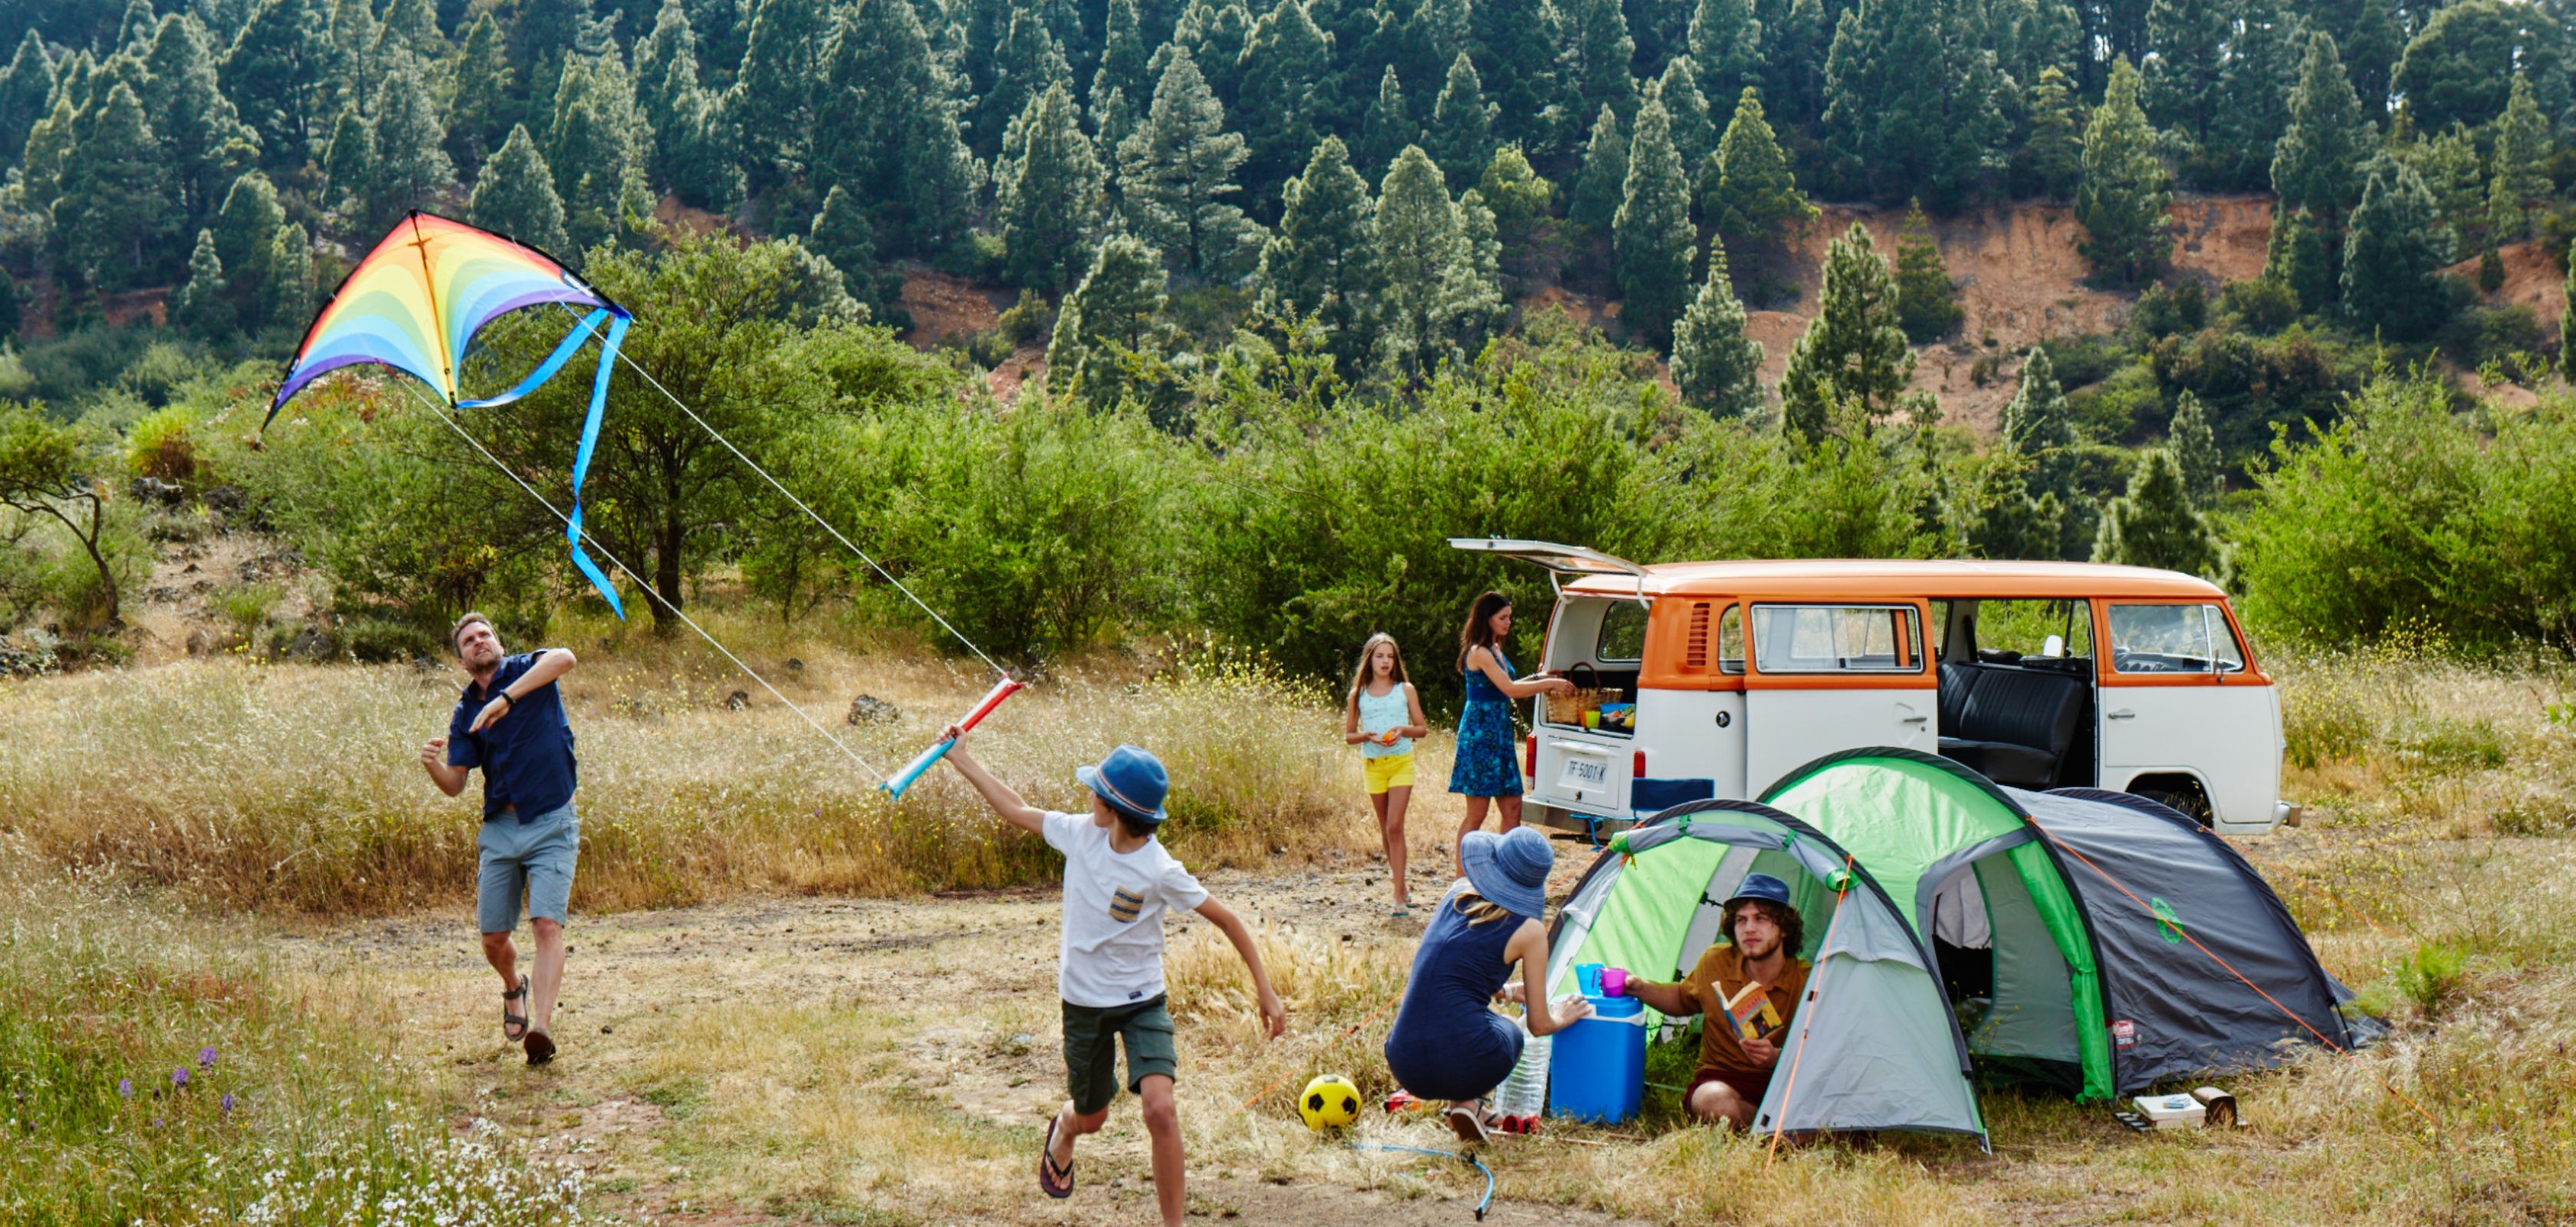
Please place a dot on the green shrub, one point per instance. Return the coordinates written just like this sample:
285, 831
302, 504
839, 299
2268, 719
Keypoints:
162, 446
2264, 305
82, 359
2163, 310
2432, 976
2481, 335
377, 640
244, 607
1028, 319
157, 372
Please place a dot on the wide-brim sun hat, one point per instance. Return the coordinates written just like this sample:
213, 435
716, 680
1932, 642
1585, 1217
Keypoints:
1131, 780
1760, 886
1510, 869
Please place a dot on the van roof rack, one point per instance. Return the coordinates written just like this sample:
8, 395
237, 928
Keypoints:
1559, 560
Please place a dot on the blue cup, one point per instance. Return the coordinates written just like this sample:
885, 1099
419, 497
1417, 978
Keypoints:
1587, 978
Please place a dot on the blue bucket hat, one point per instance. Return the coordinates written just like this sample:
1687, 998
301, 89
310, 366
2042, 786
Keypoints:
1510, 869
1131, 781
1761, 886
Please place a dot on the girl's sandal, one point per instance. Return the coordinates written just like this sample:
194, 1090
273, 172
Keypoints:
514, 1027
1467, 1120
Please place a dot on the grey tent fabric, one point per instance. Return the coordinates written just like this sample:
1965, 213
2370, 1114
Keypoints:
1861, 1057
2032, 1013
2175, 1012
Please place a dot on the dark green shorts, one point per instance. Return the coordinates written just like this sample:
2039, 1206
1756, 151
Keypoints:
1091, 1039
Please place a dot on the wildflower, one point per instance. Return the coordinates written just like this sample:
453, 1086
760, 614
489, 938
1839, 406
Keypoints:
206, 1057
227, 1104
125, 1088
179, 1076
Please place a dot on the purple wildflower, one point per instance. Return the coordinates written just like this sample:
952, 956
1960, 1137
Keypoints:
227, 1104
179, 1076
206, 1057
125, 1088
156, 1122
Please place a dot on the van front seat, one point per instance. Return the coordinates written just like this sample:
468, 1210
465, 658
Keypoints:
2015, 725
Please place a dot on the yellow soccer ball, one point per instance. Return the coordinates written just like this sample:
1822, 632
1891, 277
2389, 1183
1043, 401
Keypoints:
1329, 1102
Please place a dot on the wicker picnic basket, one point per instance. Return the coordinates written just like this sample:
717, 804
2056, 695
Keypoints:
1567, 707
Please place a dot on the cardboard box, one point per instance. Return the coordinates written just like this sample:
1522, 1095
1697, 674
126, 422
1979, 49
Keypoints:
2171, 1111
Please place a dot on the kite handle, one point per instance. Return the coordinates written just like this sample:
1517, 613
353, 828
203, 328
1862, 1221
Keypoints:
901, 780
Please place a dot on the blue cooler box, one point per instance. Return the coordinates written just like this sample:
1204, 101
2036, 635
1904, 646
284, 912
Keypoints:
1597, 1071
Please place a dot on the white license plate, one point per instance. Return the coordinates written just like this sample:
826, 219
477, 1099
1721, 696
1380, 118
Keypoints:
1586, 772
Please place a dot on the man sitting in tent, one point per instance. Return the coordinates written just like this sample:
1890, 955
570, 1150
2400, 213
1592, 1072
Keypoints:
1748, 986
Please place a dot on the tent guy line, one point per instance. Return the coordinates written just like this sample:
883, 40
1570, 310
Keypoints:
439, 411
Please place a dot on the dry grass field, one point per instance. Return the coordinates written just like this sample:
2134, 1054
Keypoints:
789, 1002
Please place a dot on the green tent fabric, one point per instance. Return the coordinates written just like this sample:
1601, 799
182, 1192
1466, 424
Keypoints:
1874, 1039
1905, 816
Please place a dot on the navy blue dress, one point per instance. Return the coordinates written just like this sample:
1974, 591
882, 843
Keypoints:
1446, 1042
1486, 765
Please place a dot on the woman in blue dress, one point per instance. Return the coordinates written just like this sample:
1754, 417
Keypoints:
1487, 770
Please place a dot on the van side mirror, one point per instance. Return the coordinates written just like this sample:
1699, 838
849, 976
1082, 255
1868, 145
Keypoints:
2054, 645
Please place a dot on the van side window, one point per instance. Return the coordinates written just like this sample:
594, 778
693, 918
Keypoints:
1730, 640
2173, 639
2028, 628
1837, 639
1623, 633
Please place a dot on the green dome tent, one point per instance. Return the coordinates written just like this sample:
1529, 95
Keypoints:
2097, 939
1874, 1043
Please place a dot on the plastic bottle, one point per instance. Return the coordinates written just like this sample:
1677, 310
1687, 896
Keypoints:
1522, 1099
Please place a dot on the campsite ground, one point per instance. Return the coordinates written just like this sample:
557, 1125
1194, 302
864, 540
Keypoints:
817, 1045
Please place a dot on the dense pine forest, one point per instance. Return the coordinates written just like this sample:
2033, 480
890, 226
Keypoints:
1318, 249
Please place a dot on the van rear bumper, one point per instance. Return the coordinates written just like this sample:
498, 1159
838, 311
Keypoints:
1559, 818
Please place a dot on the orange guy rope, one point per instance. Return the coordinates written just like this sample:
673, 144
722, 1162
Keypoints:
1807, 1021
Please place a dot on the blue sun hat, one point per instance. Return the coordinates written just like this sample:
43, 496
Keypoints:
1131, 780
1761, 886
1510, 869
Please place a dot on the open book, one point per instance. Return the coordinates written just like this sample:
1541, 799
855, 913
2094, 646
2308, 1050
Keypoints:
1751, 1011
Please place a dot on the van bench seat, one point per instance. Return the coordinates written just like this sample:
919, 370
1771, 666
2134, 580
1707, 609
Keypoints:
2009, 724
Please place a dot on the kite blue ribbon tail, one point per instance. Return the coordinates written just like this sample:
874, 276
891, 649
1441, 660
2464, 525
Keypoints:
581, 459
563, 353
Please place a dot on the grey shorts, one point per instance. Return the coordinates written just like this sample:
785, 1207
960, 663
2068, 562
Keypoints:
535, 857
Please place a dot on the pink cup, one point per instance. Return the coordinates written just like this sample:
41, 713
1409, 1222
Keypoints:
1614, 981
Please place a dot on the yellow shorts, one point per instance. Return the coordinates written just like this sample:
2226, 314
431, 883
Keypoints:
1389, 771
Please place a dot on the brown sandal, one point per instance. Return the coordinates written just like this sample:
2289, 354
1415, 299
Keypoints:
1467, 1120
541, 1047
510, 1020
1054, 1181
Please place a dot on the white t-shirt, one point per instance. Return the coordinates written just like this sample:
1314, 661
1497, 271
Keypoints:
1111, 953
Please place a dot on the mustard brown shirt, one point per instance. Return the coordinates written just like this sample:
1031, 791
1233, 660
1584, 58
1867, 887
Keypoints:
1719, 976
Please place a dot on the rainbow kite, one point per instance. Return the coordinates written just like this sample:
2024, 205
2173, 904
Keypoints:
417, 300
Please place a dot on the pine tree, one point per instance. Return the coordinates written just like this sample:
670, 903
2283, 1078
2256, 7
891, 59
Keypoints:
1027, 64
2315, 167
411, 167
114, 193
1516, 39
1726, 45
2460, 65
243, 229
26, 90
201, 134
596, 147
2124, 197
1796, 51
895, 142
2370, 53
1390, 125
1461, 136
410, 27
2195, 450
842, 235
1652, 233
1437, 292
483, 112
1603, 182
1123, 56
2299, 257
2155, 526
516, 196
1287, 66
2521, 165
2037, 429
1911, 107
1714, 364
2005, 521
1927, 304
276, 74
290, 290
1599, 58
2456, 173
2181, 91
1754, 198
1519, 199
1323, 262
1694, 132
201, 306
2393, 253
1853, 353
2567, 319
678, 110
1173, 170
49, 153
774, 105
1472, 292
2254, 106
544, 38
1051, 199
358, 78
2055, 150
1113, 316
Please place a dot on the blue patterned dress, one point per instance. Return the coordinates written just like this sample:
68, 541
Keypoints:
1486, 765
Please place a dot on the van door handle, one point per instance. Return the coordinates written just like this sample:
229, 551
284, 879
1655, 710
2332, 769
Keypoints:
2122, 714
1913, 720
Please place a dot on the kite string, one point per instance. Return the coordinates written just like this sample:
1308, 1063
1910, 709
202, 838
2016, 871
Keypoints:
817, 517
441, 414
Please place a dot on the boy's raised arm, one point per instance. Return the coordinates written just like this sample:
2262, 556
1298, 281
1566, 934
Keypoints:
1274, 1013
997, 794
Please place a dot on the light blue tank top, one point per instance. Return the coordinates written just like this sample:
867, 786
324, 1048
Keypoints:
1380, 712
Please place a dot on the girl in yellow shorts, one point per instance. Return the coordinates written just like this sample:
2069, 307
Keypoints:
1382, 716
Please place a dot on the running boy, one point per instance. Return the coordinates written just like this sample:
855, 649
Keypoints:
1118, 881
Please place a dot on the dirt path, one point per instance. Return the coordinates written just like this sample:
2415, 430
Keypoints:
881, 1062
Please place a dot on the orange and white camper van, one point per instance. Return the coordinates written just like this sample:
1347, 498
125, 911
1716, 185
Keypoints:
1700, 679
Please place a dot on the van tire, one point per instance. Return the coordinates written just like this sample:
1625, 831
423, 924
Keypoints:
2182, 795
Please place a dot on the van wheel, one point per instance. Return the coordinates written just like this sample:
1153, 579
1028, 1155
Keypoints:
2185, 799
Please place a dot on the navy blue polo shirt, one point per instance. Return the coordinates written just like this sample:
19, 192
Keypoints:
526, 756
